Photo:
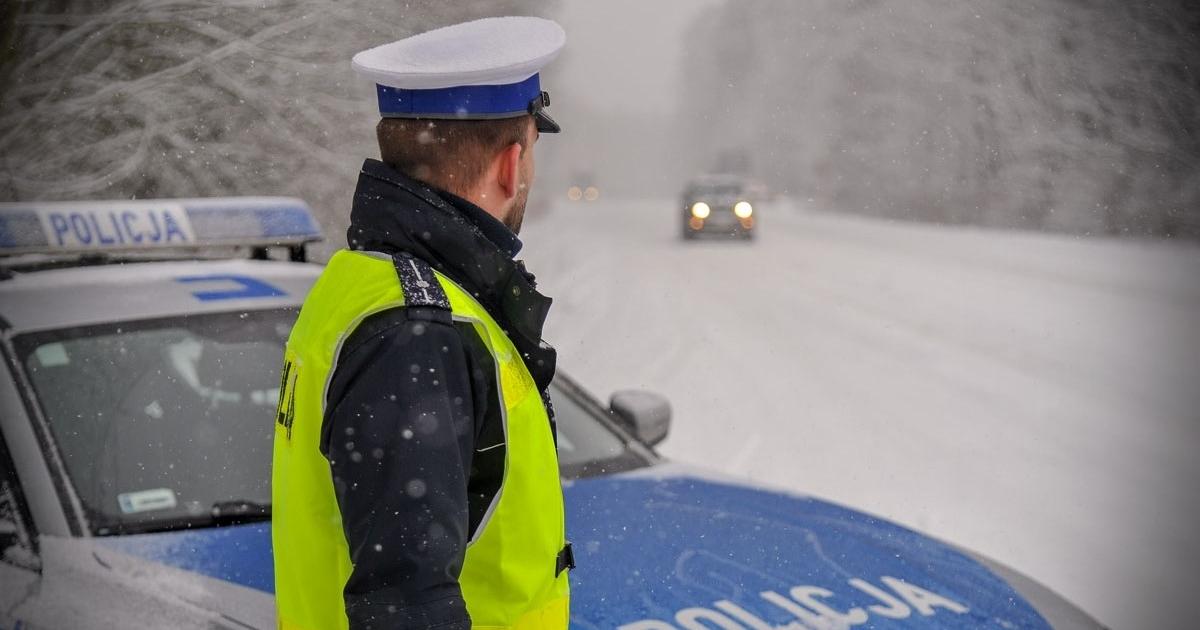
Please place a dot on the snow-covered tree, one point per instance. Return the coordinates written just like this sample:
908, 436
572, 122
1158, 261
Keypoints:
174, 98
1055, 114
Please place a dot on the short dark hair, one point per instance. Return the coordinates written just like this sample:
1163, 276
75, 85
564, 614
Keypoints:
449, 154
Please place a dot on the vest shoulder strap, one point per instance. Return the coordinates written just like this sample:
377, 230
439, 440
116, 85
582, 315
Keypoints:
419, 283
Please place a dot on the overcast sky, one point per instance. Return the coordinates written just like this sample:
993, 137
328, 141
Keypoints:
625, 53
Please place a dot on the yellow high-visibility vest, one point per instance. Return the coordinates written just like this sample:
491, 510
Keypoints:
509, 577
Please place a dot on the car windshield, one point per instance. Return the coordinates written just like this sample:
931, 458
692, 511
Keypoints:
168, 423
717, 190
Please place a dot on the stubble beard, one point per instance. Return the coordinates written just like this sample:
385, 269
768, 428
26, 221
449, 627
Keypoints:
516, 216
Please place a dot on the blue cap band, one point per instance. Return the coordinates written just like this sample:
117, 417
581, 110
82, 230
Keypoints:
467, 101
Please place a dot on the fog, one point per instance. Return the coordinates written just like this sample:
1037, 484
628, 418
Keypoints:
1064, 128
618, 90
1054, 115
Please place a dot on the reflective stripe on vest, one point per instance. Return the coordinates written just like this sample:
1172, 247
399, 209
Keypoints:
509, 575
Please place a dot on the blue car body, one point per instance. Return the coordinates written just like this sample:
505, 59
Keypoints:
667, 547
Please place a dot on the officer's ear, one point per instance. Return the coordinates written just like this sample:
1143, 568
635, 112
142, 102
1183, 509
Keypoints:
508, 170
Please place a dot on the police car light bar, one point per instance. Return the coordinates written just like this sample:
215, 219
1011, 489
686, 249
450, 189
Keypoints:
98, 226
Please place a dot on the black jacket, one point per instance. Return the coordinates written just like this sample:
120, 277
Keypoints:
412, 429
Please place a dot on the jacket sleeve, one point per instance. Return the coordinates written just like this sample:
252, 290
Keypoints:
399, 435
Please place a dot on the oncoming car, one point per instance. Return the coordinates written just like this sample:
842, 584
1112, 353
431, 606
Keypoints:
719, 206
583, 187
137, 406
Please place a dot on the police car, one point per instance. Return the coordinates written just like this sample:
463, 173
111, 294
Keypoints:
137, 397
718, 205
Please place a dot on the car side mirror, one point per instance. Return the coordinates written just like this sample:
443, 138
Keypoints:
644, 414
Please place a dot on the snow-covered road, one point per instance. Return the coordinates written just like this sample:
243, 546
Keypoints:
1032, 397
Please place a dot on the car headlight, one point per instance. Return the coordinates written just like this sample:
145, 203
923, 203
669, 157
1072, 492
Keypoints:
743, 209
700, 210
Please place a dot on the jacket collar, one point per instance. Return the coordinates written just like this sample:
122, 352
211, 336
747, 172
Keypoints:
393, 212
492, 228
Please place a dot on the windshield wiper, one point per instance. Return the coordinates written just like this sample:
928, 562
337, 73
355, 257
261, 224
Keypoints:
221, 514
239, 511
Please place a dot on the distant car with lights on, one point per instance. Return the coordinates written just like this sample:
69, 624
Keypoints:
140, 347
718, 206
583, 187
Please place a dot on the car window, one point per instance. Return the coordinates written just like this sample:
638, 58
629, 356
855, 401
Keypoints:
160, 422
588, 443
581, 437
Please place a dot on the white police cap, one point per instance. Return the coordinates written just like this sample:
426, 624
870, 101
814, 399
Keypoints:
484, 69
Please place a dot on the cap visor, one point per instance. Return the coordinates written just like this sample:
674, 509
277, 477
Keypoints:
545, 124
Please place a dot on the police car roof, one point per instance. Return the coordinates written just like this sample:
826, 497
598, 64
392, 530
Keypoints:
88, 227
89, 295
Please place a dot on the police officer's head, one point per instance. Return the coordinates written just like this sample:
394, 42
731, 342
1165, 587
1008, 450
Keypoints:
487, 162
462, 106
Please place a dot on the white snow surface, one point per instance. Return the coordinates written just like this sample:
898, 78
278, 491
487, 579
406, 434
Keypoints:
1029, 396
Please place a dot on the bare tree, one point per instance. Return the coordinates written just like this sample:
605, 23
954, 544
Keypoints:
174, 98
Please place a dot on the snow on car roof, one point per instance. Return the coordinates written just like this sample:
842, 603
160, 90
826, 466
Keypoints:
79, 296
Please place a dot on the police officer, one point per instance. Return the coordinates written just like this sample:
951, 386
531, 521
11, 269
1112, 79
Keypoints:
415, 472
